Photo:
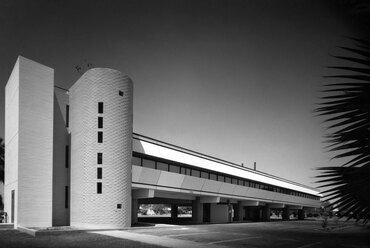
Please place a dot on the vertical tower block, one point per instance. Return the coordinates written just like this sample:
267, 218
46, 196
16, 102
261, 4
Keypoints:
101, 149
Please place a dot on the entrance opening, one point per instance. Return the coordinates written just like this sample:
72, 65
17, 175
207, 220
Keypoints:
164, 213
206, 212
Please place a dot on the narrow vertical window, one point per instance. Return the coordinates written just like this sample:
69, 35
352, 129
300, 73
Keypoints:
100, 137
100, 158
67, 115
99, 188
100, 173
66, 197
67, 157
100, 107
100, 122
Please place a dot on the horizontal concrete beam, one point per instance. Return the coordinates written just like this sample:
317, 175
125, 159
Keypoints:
143, 193
162, 194
277, 205
249, 203
210, 199
294, 207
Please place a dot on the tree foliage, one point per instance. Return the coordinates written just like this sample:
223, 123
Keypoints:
346, 107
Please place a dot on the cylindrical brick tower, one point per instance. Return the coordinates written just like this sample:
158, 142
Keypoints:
101, 149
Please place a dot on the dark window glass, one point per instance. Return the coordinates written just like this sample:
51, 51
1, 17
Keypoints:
174, 168
234, 181
204, 174
100, 158
100, 107
100, 122
162, 166
66, 197
149, 163
186, 171
100, 137
213, 176
195, 173
256, 185
136, 161
120, 93
220, 178
119, 206
183, 170
67, 157
99, 188
240, 182
100, 173
67, 115
227, 180
251, 184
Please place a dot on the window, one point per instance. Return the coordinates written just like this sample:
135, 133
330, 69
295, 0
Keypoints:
67, 115
234, 181
136, 161
99, 188
149, 163
162, 166
100, 173
240, 182
67, 157
213, 176
100, 107
174, 168
66, 197
220, 178
120, 93
204, 174
100, 158
100, 137
119, 206
227, 180
195, 173
100, 122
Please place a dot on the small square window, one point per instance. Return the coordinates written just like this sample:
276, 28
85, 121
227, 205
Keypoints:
100, 107
99, 188
120, 93
100, 137
119, 206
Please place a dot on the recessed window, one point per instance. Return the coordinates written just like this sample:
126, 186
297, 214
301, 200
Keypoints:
227, 180
120, 93
213, 176
119, 206
100, 122
67, 115
136, 161
174, 168
149, 163
100, 158
67, 157
220, 178
100, 173
99, 188
195, 173
162, 166
100, 107
100, 137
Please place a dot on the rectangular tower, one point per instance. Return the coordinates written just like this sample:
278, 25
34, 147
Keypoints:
29, 144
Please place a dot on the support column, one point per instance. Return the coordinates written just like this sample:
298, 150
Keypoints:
197, 211
238, 211
174, 213
301, 214
134, 210
266, 213
286, 213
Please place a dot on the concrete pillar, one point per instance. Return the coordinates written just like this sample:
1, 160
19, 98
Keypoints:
238, 211
174, 213
286, 213
301, 214
266, 213
134, 210
197, 211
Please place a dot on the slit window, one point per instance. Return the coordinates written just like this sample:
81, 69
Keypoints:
67, 157
100, 107
100, 137
100, 122
100, 173
67, 115
66, 197
99, 187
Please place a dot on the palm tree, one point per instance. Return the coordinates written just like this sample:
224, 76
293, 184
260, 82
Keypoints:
346, 107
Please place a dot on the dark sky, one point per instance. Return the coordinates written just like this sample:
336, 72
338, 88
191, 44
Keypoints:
234, 79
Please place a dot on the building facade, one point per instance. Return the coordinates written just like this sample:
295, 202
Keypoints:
72, 159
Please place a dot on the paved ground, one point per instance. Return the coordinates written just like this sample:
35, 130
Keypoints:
297, 234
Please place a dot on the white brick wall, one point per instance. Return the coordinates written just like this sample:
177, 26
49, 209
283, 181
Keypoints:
89, 209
